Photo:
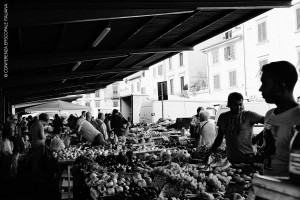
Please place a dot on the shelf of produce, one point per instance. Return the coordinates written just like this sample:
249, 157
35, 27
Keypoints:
174, 132
273, 188
153, 151
144, 144
156, 138
65, 195
180, 138
65, 174
66, 183
66, 162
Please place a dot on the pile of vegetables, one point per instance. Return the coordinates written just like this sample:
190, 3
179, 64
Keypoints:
208, 185
71, 153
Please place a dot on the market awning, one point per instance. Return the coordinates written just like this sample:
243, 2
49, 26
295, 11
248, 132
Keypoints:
57, 48
57, 106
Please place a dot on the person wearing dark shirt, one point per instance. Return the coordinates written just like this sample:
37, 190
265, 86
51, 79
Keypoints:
83, 114
117, 122
107, 122
237, 127
57, 125
38, 145
12, 132
35, 119
23, 124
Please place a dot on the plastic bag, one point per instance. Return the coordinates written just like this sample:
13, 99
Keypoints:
7, 147
67, 141
56, 144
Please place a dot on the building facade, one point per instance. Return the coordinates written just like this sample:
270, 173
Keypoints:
103, 100
236, 56
184, 73
228, 62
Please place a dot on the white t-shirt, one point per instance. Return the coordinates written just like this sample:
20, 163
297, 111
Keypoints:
282, 131
88, 131
208, 133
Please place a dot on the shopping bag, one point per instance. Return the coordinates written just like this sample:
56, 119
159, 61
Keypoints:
7, 147
56, 144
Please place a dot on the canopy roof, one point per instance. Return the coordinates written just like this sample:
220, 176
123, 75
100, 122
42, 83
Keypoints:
51, 51
57, 106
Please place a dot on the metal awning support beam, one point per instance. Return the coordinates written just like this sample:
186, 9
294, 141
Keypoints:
33, 103
45, 13
207, 24
43, 78
241, 20
14, 91
146, 21
173, 26
47, 16
46, 95
33, 61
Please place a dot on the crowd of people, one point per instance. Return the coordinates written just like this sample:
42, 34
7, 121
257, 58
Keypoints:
277, 84
278, 80
21, 135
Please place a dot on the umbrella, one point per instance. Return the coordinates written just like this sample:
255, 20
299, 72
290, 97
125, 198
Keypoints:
57, 106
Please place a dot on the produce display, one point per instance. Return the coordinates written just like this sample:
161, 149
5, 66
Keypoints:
72, 153
194, 180
118, 186
156, 175
135, 167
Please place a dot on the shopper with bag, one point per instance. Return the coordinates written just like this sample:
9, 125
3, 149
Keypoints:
194, 126
205, 131
101, 126
11, 146
38, 147
7, 147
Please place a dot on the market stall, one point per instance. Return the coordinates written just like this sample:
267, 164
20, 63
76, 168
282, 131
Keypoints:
138, 166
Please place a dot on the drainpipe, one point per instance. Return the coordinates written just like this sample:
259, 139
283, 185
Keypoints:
245, 73
207, 72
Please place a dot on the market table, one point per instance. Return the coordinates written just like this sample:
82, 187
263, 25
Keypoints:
68, 163
273, 188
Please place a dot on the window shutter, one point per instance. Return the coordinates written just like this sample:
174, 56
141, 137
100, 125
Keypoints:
259, 32
225, 53
216, 82
264, 31
181, 59
234, 78
298, 18
232, 52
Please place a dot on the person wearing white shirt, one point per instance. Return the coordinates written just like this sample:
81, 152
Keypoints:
101, 126
278, 81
